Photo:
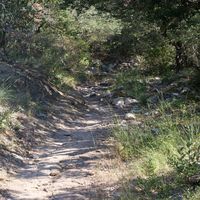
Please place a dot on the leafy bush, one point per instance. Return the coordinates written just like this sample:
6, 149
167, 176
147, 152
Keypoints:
65, 43
60, 53
160, 58
89, 24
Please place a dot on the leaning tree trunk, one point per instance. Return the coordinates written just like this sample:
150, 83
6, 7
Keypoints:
3, 41
181, 56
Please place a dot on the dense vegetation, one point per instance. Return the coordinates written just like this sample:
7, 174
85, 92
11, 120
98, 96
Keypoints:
134, 41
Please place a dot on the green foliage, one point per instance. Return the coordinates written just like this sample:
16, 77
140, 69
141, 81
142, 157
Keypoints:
65, 41
130, 141
160, 58
133, 84
90, 24
4, 120
12, 11
64, 80
164, 150
6, 94
57, 52
187, 162
63, 38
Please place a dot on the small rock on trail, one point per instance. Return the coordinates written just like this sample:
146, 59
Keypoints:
55, 172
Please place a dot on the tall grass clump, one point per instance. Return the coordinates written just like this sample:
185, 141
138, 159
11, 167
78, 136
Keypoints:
164, 150
133, 84
6, 95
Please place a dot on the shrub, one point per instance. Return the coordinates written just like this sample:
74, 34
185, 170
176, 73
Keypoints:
165, 150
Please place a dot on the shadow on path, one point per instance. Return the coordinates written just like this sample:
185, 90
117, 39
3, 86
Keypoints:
63, 165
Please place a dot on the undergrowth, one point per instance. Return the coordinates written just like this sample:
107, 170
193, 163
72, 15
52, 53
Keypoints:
133, 84
164, 150
6, 95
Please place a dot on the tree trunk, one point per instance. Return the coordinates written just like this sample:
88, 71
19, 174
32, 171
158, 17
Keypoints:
3, 45
2, 38
181, 56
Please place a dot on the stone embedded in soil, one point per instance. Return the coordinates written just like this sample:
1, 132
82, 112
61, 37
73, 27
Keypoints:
130, 116
131, 122
153, 113
89, 174
54, 172
108, 95
195, 179
128, 101
127, 123
119, 102
185, 90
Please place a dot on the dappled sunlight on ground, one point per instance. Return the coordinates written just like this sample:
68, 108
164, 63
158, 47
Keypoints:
65, 164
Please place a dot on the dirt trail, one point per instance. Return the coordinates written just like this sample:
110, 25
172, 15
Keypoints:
64, 166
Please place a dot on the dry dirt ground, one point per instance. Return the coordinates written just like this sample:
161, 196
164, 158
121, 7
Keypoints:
73, 161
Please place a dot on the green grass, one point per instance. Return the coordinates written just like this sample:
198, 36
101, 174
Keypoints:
64, 80
134, 84
5, 120
6, 94
164, 150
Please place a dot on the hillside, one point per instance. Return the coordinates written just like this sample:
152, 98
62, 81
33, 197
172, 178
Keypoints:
99, 100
